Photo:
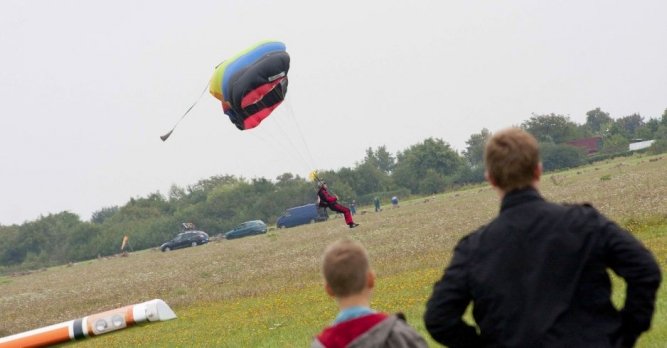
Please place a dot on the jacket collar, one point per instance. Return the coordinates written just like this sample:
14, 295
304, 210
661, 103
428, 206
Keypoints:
520, 196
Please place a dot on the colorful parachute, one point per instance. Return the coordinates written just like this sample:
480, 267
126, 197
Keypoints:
252, 84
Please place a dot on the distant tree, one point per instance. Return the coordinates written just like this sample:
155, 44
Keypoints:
615, 144
226, 203
370, 158
552, 128
80, 241
264, 207
370, 179
44, 242
414, 163
348, 176
660, 144
597, 121
627, 126
103, 214
661, 132
386, 160
331, 176
207, 185
560, 156
647, 131
380, 159
176, 193
663, 119
469, 174
285, 178
658, 147
155, 200
474, 152
9, 239
432, 181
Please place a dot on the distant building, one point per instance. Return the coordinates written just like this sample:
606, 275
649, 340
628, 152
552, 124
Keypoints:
591, 145
640, 145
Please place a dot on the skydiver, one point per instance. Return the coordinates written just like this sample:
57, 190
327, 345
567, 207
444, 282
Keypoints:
326, 199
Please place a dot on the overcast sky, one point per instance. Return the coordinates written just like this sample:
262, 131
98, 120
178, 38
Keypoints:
87, 87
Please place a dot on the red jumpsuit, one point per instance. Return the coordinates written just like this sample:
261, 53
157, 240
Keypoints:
330, 201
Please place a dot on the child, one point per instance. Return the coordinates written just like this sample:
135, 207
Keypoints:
350, 280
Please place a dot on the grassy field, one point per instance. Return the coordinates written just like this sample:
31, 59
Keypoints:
265, 291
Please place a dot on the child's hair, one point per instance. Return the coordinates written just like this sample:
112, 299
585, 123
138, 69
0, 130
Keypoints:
511, 157
345, 267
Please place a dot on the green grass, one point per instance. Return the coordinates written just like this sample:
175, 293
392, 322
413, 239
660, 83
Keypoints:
284, 319
266, 291
291, 318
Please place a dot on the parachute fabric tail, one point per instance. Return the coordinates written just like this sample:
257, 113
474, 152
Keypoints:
166, 136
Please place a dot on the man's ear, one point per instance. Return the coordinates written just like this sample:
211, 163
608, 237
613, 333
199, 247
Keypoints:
538, 172
370, 279
328, 290
488, 178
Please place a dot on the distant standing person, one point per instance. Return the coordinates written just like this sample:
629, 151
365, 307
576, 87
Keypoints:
349, 279
376, 202
330, 201
394, 201
353, 207
537, 274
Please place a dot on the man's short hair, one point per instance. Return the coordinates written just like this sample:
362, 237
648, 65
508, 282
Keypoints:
345, 267
511, 157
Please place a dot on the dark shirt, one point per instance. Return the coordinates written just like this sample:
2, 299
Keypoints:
537, 276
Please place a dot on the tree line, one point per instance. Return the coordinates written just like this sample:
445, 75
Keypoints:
218, 203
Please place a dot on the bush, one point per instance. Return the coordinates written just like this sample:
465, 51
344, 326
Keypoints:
659, 146
561, 156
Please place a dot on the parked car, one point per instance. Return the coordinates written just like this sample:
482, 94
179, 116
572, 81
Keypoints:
247, 228
185, 239
304, 214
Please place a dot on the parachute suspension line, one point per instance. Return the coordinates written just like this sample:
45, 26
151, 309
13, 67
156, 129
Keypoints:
275, 138
271, 144
290, 111
289, 140
279, 148
166, 136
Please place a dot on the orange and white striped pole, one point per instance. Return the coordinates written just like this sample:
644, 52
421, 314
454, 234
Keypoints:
92, 325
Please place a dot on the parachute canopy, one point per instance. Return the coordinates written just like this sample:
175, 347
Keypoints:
252, 84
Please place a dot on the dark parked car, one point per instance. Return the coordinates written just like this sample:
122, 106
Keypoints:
185, 239
247, 228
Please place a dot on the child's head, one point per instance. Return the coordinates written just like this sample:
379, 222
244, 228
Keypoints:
346, 269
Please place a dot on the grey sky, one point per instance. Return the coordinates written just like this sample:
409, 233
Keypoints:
87, 87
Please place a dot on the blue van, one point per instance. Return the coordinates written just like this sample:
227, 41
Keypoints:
305, 214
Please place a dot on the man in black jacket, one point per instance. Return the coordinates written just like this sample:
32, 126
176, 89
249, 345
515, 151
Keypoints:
537, 274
